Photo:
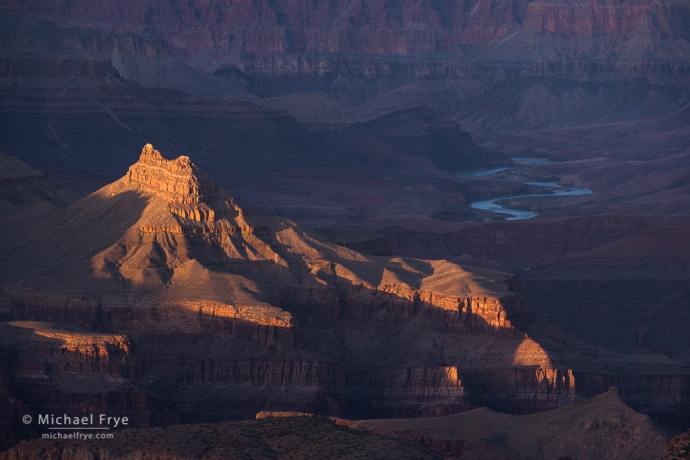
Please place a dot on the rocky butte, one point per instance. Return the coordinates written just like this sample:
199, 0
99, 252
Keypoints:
159, 298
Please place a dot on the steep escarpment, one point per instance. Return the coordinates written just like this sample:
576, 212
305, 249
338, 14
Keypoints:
58, 366
56, 80
144, 59
369, 27
13, 430
341, 27
509, 65
41, 97
191, 193
52, 94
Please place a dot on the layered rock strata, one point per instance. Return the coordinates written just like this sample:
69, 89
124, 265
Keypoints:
370, 27
205, 326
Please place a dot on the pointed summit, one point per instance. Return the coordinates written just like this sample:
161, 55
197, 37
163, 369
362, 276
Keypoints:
189, 191
178, 181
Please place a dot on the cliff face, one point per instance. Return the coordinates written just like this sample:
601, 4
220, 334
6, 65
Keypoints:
51, 96
219, 368
191, 193
372, 27
369, 27
12, 412
571, 56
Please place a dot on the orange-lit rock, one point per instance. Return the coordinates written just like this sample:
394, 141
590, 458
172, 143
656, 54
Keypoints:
205, 321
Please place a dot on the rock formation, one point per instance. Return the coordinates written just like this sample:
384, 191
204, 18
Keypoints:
168, 300
171, 316
371, 27
190, 192
678, 447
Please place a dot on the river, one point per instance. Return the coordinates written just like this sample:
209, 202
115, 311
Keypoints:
490, 205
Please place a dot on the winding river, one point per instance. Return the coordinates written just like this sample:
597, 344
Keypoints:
490, 205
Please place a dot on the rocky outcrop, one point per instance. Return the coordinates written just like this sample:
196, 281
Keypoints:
488, 315
207, 386
269, 325
178, 181
57, 367
192, 195
678, 447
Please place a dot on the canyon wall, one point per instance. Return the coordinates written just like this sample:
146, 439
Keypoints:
182, 360
368, 27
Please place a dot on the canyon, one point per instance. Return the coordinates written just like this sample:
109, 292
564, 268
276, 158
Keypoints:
311, 247
160, 298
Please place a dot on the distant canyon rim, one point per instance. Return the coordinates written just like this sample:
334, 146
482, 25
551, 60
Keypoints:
303, 231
